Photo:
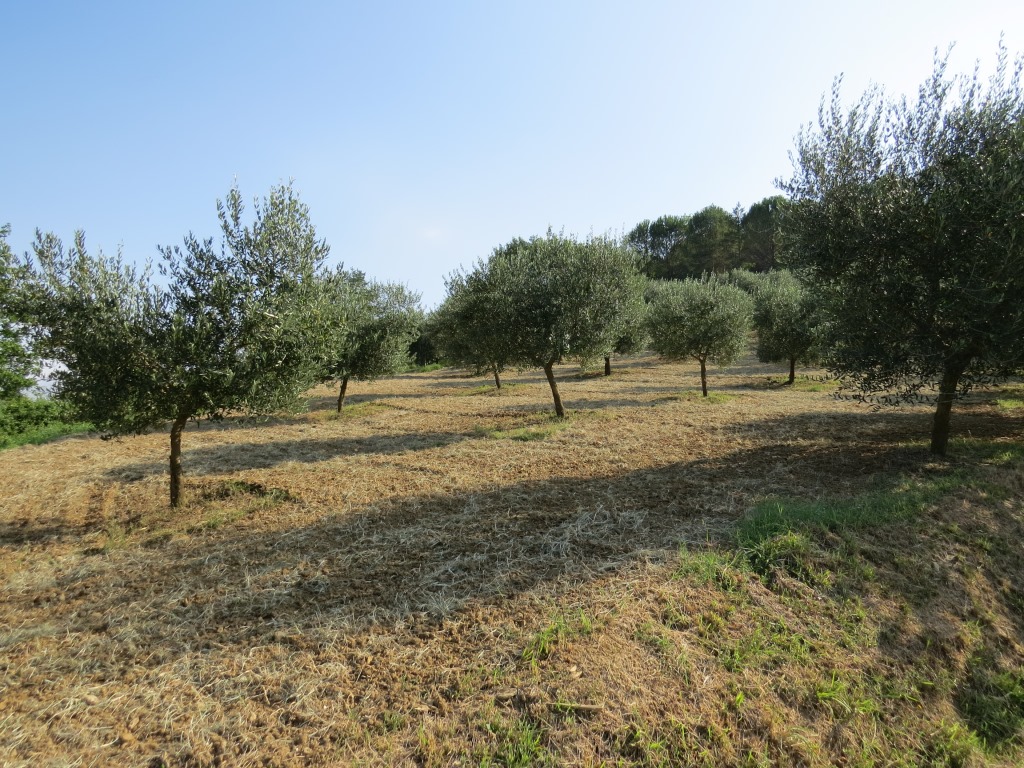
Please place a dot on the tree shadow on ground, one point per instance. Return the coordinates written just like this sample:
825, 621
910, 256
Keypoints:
432, 554
238, 457
329, 403
28, 533
415, 561
313, 405
882, 425
204, 605
605, 403
944, 548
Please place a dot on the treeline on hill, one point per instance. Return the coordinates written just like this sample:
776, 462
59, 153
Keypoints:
902, 231
713, 240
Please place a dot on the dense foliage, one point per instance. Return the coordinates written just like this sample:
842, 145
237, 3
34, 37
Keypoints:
18, 366
236, 329
706, 320
373, 325
906, 219
472, 324
711, 240
560, 298
786, 319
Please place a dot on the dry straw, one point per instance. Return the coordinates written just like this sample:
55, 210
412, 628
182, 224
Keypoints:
428, 577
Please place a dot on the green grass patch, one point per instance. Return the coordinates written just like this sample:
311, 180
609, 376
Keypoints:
785, 535
654, 637
483, 389
116, 537
424, 368
802, 383
671, 743
518, 743
356, 410
778, 517
562, 627
844, 699
992, 703
989, 452
218, 517
44, 434
549, 425
234, 500
709, 567
812, 384
769, 646
1011, 399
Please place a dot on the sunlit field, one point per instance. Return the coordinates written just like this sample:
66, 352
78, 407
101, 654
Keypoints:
445, 574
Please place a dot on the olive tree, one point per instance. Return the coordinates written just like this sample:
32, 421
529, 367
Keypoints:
233, 329
567, 299
632, 335
906, 218
785, 317
472, 324
703, 319
374, 325
18, 366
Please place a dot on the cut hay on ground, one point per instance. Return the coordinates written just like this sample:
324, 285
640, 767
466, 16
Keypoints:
438, 579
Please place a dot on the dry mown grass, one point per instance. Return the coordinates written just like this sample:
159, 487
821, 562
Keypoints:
437, 580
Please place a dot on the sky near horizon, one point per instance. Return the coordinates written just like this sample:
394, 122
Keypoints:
422, 135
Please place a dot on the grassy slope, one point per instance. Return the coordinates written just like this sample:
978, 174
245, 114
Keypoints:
767, 578
43, 434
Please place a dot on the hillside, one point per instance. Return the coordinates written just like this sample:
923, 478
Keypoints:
446, 575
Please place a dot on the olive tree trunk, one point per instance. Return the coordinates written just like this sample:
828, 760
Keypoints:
176, 427
607, 365
497, 379
792, 370
341, 392
954, 369
703, 377
554, 390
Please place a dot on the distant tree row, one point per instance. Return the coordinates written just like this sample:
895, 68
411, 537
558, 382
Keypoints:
374, 324
711, 241
538, 302
534, 303
709, 319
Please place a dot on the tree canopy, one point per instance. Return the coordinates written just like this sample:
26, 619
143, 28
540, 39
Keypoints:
712, 240
472, 324
706, 320
237, 328
786, 319
18, 366
373, 325
565, 299
759, 234
657, 244
906, 220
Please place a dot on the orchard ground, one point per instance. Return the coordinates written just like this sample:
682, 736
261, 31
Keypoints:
447, 575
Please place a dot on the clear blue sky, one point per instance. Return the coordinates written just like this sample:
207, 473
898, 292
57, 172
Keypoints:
421, 135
